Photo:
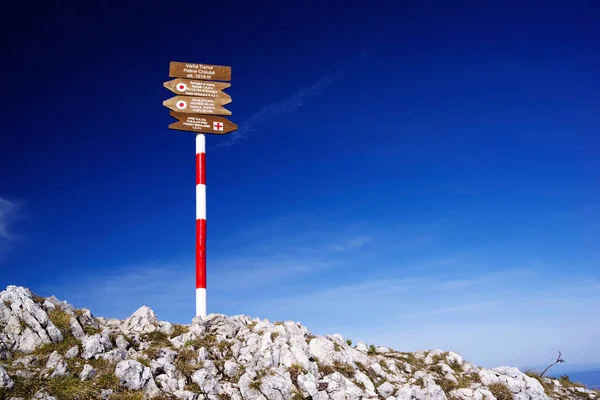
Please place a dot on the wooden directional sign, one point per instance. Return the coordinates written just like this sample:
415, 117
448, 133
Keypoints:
190, 87
199, 71
202, 123
198, 105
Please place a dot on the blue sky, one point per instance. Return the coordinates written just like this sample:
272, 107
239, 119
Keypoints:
412, 175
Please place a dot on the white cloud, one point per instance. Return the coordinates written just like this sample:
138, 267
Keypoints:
288, 104
8, 213
351, 244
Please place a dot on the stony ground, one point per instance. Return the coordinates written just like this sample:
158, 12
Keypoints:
50, 350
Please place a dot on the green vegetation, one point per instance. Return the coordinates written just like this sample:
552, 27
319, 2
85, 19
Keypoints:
207, 341
345, 369
359, 384
23, 387
336, 346
349, 342
193, 387
372, 350
184, 361
61, 319
295, 370
179, 329
456, 367
376, 379
325, 369
38, 299
143, 361
257, 381
47, 348
224, 346
437, 358
500, 391
566, 382
309, 337
70, 387
384, 366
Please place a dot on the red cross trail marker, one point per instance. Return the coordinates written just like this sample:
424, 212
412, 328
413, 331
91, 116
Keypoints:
202, 123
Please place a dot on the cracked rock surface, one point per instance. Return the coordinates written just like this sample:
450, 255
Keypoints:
50, 350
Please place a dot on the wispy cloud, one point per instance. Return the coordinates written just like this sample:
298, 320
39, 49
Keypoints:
361, 280
8, 213
288, 104
351, 244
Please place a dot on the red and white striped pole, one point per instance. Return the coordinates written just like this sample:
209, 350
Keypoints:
200, 226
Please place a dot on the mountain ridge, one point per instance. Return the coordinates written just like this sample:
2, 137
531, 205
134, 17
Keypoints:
51, 350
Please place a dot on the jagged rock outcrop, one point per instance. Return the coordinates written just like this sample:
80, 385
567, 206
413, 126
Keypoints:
48, 349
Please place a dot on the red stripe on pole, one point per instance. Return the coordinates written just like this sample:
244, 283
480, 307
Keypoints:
197, 169
201, 254
203, 169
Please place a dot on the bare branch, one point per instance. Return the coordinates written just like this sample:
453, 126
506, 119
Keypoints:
558, 360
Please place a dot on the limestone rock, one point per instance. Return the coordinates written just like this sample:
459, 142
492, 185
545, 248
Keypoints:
5, 381
72, 352
56, 366
87, 373
143, 320
93, 345
132, 374
238, 358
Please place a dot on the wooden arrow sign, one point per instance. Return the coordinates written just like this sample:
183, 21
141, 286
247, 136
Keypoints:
198, 105
202, 123
190, 87
199, 71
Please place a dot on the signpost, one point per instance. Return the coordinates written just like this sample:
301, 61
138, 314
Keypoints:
198, 105
202, 123
198, 96
191, 87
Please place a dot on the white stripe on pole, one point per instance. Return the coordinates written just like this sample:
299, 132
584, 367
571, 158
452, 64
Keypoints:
200, 226
200, 205
201, 302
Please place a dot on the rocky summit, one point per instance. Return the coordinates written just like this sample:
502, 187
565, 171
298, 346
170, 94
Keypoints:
51, 350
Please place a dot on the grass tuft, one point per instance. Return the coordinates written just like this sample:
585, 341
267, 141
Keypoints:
184, 362
372, 350
61, 319
179, 329
345, 369
500, 391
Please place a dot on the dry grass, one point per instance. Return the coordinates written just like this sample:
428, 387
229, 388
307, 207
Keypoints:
345, 369
500, 391
61, 319
295, 370
184, 361
207, 341
157, 340
47, 348
179, 329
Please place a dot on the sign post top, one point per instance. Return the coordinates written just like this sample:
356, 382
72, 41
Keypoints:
199, 71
